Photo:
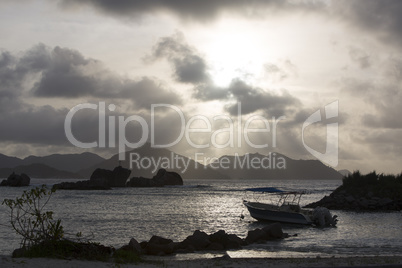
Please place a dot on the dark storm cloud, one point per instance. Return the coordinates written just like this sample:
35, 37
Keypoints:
10, 81
254, 99
45, 126
193, 10
11, 78
383, 17
189, 67
28, 124
66, 73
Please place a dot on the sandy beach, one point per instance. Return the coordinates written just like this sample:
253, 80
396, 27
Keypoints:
7, 261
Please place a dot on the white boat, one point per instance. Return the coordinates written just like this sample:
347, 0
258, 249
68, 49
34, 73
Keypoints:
286, 209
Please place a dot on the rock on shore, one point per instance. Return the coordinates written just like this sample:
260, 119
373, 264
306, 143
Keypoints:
370, 192
201, 241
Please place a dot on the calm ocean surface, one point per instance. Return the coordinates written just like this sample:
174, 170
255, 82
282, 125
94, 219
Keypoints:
114, 216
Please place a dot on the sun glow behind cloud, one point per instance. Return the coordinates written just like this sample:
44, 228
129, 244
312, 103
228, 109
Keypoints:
233, 54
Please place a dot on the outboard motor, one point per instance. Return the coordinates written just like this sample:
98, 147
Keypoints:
322, 217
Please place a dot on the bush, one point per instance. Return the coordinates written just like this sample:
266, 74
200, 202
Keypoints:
379, 184
28, 219
42, 236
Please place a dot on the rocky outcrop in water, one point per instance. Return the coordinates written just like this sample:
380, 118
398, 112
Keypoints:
116, 178
101, 179
15, 180
162, 178
201, 241
370, 192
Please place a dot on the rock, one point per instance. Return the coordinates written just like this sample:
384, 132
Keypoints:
363, 203
215, 246
384, 201
144, 244
159, 246
19, 253
140, 182
159, 250
161, 179
255, 235
115, 178
234, 242
374, 192
135, 246
228, 241
119, 177
198, 240
100, 174
159, 240
15, 180
273, 230
25, 179
101, 179
349, 199
164, 177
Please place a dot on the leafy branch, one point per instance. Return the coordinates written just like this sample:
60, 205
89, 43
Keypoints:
28, 219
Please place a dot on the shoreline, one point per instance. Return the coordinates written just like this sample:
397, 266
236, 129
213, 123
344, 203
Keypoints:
225, 261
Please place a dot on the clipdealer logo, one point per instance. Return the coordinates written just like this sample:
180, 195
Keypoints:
242, 127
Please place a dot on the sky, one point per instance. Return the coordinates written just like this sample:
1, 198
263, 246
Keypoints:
196, 74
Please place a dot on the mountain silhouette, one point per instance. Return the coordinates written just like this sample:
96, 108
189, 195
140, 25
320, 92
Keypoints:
9, 161
274, 166
66, 162
39, 171
63, 162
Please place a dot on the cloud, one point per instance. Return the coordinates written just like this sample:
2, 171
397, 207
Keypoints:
254, 99
208, 92
193, 10
280, 71
360, 57
382, 96
381, 17
189, 67
29, 124
66, 73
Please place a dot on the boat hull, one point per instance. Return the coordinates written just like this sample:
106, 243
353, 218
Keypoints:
270, 214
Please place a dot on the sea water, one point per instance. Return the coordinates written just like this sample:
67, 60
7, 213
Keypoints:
112, 217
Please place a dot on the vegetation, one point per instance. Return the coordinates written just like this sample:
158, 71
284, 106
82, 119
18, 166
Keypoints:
43, 237
379, 185
30, 222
